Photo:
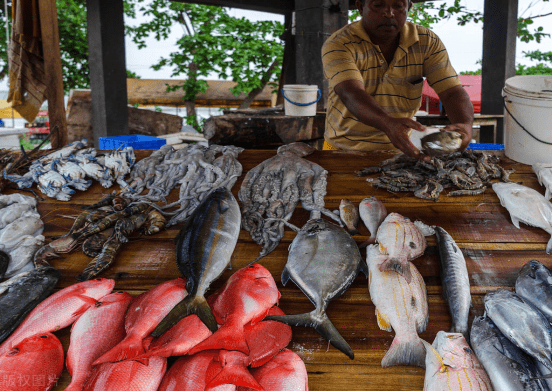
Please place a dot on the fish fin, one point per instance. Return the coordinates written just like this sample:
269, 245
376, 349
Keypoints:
395, 265
321, 323
405, 351
127, 349
189, 305
88, 300
433, 356
284, 277
364, 268
548, 248
382, 322
237, 375
516, 222
228, 337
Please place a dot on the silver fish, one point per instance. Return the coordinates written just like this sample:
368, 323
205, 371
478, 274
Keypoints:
9, 199
20, 294
29, 223
204, 247
12, 212
350, 216
22, 254
372, 212
509, 368
441, 143
521, 322
533, 284
323, 261
455, 281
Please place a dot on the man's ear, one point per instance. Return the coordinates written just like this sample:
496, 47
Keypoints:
409, 5
359, 5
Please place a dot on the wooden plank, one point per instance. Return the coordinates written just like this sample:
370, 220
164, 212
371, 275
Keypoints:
53, 71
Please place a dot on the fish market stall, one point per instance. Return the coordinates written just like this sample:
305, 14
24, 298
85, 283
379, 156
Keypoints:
494, 249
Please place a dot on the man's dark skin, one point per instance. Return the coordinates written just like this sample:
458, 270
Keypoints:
383, 21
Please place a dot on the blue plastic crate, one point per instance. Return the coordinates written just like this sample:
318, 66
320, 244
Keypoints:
486, 147
135, 141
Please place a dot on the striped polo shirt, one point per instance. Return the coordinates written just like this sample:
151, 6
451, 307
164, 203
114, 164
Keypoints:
349, 54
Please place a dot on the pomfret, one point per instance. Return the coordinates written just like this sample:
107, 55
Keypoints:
204, 247
323, 261
23, 292
33, 364
455, 281
522, 323
373, 212
508, 367
349, 215
533, 284
441, 143
401, 241
400, 306
59, 310
144, 313
452, 365
98, 330
525, 205
246, 299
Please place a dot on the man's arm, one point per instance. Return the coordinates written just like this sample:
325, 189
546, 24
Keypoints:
460, 112
367, 110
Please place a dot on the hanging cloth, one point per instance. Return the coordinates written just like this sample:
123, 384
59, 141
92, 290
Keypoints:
26, 61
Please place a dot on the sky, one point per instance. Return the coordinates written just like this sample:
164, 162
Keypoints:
464, 43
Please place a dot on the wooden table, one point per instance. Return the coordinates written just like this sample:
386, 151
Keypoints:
494, 250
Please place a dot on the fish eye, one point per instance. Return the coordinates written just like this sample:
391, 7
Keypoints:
43, 336
468, 350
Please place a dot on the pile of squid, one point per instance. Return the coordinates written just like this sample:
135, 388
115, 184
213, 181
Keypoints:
196, 169
468, 172
101, 230
271, 191
63, 171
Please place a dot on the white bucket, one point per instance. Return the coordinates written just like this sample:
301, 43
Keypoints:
528, 118
300, 100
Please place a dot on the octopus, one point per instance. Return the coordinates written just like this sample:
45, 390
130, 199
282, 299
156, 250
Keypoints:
271, 191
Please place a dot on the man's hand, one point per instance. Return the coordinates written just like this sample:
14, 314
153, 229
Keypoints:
464, 129
397, 130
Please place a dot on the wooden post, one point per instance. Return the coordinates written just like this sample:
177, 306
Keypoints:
498, 61
108, 75
53, 73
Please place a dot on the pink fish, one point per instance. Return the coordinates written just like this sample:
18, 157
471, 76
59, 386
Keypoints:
285, 371
98, 330
372, 212
233, 371
401, 241
245, 299
128, 375
59, 310
190, 373
34, 364
143, 315
179, 339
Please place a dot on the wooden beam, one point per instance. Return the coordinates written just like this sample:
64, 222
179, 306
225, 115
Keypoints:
53, 71
273, 6
498, 61
108, 75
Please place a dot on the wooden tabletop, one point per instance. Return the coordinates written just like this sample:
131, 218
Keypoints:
493, 247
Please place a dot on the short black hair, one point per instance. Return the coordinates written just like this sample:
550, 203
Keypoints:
365, 1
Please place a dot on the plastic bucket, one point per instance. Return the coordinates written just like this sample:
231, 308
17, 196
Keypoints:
300, 100
527, 102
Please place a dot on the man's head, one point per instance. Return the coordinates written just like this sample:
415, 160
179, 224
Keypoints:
383, 19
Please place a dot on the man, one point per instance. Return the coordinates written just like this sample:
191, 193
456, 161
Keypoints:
375, 68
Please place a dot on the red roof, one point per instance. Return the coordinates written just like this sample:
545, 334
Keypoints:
472, 85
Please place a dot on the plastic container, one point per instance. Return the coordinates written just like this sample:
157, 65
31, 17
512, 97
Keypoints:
300, 100
486, 147
136, 141
527, 102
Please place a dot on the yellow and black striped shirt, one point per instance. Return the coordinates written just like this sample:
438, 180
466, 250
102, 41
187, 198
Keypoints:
349, 54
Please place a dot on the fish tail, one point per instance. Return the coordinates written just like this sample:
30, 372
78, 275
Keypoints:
124, 350
402, 268
321, 323
227, 337
189, 305
237, 375
405, 351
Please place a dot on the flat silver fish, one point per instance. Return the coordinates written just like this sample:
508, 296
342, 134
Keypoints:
522, 323
533, 284
455, 281
441, 143
509, 368
204, 247
372, 212
350, 216
323, 261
